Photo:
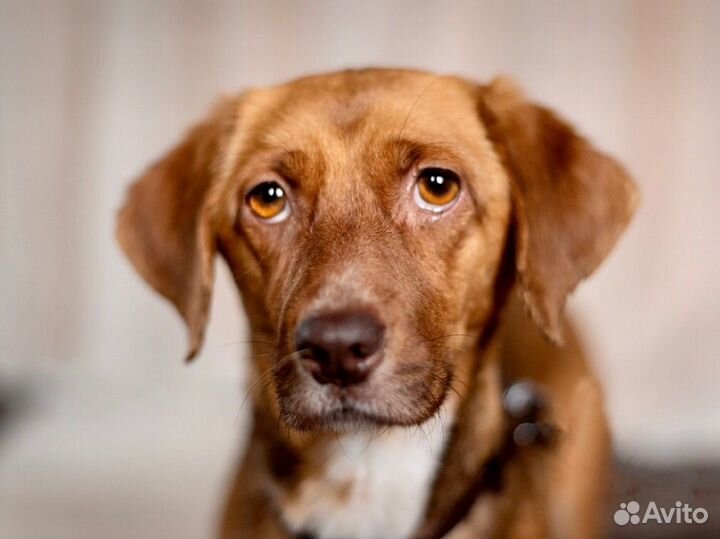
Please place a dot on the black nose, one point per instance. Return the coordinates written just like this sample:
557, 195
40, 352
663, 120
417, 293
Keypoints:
340, 347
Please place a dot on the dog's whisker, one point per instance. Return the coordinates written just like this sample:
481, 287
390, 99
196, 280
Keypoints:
370, 440
412, 108
448, 336
289, 357
266, 377
340, 445
249, 341
446, 382
262, 379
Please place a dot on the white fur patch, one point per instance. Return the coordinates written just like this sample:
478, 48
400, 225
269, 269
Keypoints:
373, 485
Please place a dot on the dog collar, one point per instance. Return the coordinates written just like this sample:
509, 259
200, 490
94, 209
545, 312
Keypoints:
526, 426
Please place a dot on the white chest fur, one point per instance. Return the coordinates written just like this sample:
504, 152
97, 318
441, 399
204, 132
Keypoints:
373, 485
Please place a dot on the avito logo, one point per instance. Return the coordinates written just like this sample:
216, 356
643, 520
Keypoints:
681, 513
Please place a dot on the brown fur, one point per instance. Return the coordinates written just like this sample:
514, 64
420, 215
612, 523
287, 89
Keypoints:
539, 210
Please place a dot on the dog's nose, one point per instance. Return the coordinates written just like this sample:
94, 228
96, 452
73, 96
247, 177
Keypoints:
340, 347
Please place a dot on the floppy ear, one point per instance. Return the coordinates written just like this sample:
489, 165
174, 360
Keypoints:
165, 226
570, 201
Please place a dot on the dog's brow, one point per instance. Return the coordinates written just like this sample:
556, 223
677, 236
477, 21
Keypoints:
409, 152
289, 163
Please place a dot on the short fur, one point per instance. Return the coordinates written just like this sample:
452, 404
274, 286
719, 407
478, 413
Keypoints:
539, 209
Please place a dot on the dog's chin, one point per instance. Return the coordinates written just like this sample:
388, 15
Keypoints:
350, 416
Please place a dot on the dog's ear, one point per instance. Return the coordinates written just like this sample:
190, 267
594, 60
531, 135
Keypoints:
570, 201
166, 224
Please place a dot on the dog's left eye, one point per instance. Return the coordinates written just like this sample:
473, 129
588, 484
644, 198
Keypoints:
436, 189
268, 201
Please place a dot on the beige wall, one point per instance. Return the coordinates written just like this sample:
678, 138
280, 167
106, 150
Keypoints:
90, 92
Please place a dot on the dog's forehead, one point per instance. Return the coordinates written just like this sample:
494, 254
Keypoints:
357, 108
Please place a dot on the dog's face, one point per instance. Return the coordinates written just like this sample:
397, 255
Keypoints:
372, 221
370, 242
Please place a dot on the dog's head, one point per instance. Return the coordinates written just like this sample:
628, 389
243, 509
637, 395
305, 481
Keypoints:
370, 219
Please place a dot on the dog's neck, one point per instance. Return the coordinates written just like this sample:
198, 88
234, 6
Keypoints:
477, 437
370, 484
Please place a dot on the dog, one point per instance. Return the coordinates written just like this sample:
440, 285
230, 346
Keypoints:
403, 244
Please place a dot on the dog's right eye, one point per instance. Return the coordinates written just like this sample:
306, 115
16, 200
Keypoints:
269, 202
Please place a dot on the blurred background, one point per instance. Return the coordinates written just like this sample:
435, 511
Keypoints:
105, 432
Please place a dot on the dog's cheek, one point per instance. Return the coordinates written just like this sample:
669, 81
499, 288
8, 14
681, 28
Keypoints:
480, 270
258, 267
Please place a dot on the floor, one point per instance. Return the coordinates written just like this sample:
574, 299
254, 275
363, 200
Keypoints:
87, 455
697, 485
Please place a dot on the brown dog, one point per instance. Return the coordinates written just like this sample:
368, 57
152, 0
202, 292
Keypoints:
375, 222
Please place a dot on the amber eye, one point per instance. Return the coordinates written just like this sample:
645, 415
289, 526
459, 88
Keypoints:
268, 201
436, 188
